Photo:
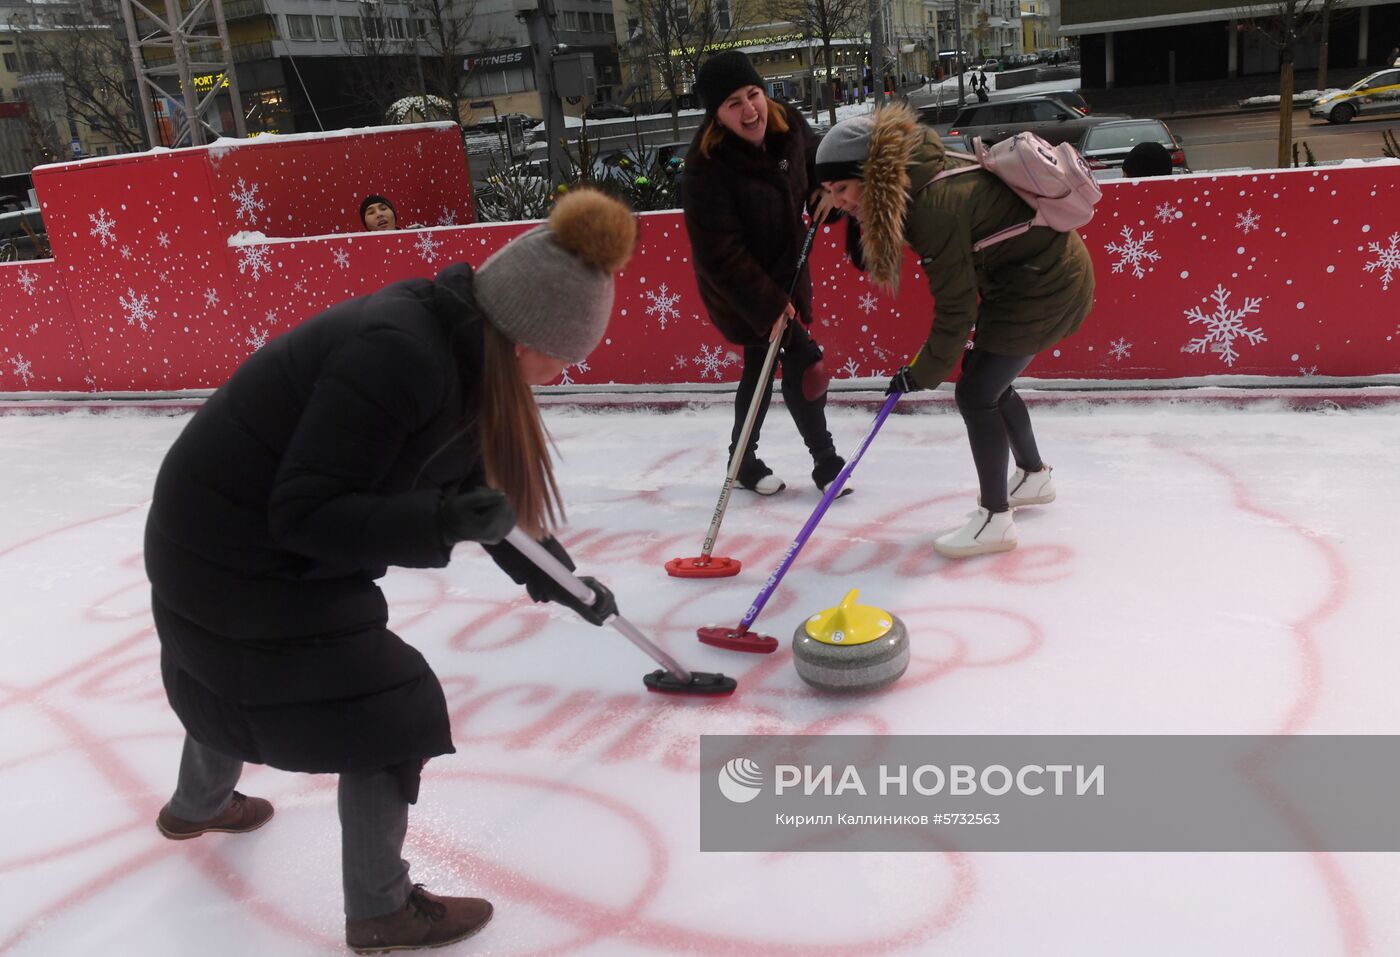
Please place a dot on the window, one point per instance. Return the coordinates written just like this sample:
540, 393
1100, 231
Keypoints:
722, 17
570, 21
301, 27
326, 27
397, 31
350, 28
612, 24
421, 25
12, 62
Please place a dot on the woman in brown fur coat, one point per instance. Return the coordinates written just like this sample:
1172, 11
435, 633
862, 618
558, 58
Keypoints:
1021, 295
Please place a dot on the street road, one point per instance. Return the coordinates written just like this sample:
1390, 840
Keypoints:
1250, 140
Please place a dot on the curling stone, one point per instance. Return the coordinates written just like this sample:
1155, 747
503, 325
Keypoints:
851, 647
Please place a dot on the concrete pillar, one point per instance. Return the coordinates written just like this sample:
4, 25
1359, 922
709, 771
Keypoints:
1363, 35
1108, 61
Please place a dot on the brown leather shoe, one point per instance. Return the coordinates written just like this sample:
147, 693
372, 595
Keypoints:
242, 814
424, 920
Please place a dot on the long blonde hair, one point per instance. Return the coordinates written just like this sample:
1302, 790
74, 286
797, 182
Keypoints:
716, 131
514, 441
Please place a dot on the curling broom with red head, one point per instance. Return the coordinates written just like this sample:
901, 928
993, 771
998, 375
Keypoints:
671, 678
740, 638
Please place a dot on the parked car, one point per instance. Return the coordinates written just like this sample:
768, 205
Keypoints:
1104, 146
1047, 115
607, 111
1373, 95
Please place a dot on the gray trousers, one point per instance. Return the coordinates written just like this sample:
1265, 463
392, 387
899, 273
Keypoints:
373, 824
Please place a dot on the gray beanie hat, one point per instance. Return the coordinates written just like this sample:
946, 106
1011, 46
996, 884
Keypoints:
844, 149
551, 288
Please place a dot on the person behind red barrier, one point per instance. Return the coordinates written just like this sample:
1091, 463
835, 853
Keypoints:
747, 180
381, 432
1023, 295
377, 214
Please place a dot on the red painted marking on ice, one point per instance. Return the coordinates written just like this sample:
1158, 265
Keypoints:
1349, 910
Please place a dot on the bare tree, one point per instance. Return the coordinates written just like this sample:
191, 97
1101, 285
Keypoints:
87, 72
677, 35
444, 26
1287, 24
385, 71
822, 21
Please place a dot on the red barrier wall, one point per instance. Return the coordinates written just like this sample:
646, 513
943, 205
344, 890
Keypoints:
1289, 274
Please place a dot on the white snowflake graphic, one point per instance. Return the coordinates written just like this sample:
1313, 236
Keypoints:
663, 305
254, 259
1307, 372
427, 247
163, 239
27, 281
1120, 349
211, 298
257, 338
21, 366
851, 369
1387, 260
1133, 252
163, 275
103, 227
126, 252
137, 309
33, 328
567, 377
298, 286
867, 303
341, 257
246, 201
712, 362
1224, 326
447, 217
1247, 220
1166, 212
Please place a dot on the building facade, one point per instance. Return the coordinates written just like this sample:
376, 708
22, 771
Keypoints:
1150, 42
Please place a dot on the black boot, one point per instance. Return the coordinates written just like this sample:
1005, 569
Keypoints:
825, 472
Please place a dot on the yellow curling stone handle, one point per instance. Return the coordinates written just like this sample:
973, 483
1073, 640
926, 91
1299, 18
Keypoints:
849, 623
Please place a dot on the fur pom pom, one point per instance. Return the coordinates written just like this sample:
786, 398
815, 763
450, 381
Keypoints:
597, 228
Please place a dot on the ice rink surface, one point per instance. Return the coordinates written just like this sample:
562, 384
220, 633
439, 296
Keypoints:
1205, 569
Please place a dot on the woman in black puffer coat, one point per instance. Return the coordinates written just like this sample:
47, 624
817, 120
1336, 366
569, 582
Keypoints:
381, 432
747, 179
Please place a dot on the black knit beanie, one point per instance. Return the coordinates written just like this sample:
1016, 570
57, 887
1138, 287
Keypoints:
1147, 158
370, 200
721, 75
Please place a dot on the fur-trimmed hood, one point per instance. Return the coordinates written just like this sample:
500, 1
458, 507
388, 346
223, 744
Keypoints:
896, 141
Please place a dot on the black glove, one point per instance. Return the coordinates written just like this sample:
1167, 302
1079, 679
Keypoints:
478, 515
903, 381
604, 604
525, 572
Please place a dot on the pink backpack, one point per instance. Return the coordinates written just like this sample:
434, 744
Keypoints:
1053, 180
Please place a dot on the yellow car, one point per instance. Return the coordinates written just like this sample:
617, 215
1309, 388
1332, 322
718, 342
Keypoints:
1377, 93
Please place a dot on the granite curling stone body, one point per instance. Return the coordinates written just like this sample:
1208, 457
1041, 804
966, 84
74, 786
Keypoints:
850, 648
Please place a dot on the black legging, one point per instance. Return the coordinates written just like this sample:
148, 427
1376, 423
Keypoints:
798, 352
997, 421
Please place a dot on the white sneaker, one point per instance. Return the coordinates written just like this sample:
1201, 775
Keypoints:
768, 485
846, 489
984, 532
1030, 488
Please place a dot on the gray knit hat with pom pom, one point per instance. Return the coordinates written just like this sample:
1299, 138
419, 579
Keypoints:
551, 288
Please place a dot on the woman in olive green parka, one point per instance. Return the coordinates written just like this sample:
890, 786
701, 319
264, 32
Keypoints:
1019, 296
